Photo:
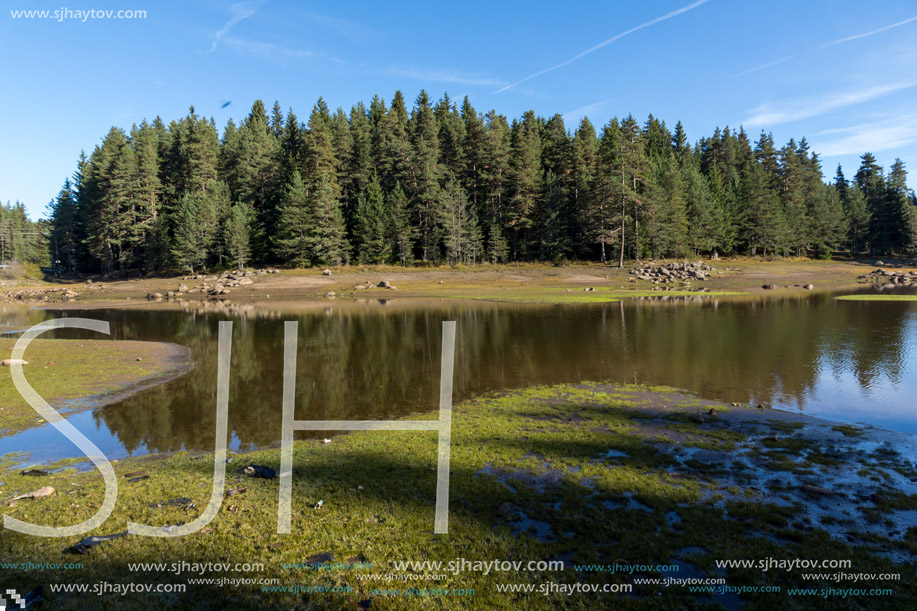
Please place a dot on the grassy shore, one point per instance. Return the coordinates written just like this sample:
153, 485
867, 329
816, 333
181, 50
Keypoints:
77, 374
585, 474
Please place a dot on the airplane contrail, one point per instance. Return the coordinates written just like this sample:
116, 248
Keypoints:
604, 43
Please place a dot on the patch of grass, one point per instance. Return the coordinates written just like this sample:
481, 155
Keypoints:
564, 296
847, 430
789, 444
77, 372
784, 426
877, 298
530, 461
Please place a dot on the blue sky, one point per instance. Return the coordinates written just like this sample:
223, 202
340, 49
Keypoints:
842, 73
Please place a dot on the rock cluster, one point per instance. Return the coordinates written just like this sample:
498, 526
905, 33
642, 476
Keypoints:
382, 284
673, 272
234, 274
213, 286
886, 276
39, 295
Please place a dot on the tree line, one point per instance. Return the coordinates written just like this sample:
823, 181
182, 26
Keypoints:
21, 240
444, 183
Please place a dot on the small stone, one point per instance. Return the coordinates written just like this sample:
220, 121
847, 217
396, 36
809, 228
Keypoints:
320, 557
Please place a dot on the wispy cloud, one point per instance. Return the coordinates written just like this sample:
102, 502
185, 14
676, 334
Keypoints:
875, 136
270, 50
240, 11
824, 46
768, 114
443, 75
605, 43
866, 34
351, 30
765, 66
582, 111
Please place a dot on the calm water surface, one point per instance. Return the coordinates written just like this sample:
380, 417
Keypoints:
841, 360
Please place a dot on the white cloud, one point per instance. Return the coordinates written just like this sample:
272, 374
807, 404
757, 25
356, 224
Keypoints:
583, 111
240, 11
768, 114
604, 43
874, 136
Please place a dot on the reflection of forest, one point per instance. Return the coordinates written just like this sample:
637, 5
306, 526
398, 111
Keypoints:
377, 361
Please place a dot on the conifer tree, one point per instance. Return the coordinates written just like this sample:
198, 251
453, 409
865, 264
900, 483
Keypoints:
326, 236
252, 173
291, 242
550, 230
581, 188
370, 219
704, 224
342, 147
426, 172
608, 207
526, 175
473, 154
196, 225
827, 222
495, 179
664, 206
237, 234
462, 236
871, 182
399, 222
856, 213
633, 176
450, 136
62, 238
277, 120
360, 162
